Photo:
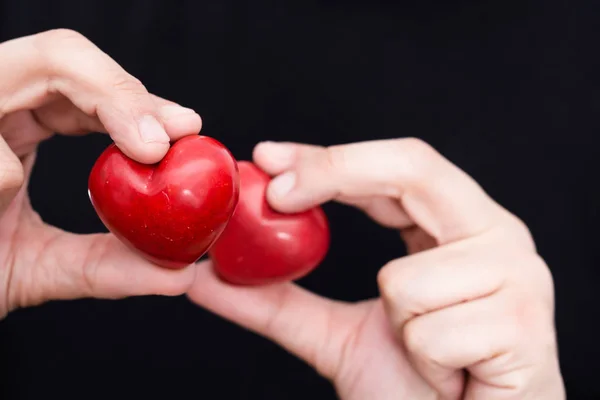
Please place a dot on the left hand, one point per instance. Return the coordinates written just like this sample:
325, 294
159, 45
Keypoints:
467, 314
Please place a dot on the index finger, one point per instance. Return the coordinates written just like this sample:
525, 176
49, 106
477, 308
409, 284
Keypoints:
61, 62
436, 195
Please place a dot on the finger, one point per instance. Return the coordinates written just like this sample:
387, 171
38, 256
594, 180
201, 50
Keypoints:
179, 121
66, 63
383, 210
12, 176
277, 157
435, 194
296, 319
438, 278
70, 266
22, 132
479, 336
62, 116
457, 273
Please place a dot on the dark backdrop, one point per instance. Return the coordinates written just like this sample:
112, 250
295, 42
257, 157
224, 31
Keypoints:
506, 89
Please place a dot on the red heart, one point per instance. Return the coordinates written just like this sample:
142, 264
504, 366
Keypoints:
261, 246
170, 212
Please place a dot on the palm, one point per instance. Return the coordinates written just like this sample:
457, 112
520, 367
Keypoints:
373, 364
21, 230
350, 344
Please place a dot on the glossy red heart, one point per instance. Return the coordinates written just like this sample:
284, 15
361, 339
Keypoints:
170, 212
261, 246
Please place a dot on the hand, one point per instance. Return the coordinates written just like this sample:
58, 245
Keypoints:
58, 81
467, 314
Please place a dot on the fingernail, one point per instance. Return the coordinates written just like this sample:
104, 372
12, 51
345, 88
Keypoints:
173, 111
283, 184
279, 153
151, 131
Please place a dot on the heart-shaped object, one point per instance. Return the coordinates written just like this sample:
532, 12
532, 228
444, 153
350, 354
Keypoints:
170, 212
262, 246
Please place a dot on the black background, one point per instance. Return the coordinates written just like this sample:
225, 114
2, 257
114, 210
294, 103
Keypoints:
508, 90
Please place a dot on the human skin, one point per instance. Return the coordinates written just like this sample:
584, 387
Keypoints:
468, 314
59, 81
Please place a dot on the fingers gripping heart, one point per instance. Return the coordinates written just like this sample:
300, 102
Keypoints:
165, 213
173, 211
260, 245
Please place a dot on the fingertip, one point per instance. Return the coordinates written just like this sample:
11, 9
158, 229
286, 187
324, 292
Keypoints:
156, 133
154, 142
280, 187
142, 138
285, 195
180, 121
274, 157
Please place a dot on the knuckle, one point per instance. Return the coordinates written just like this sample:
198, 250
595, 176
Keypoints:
527, 318
516, 231
59, 34
397, 289
386, 278
413, 338
424, 340
48, 40
538, 264
125, 82
515, 324
335, 158
52, 45
414, 144
419, 157
532, 275
417, 342
57, 44
547, 286
518, 224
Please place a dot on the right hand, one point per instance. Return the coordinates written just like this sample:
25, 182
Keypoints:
468, 314
58, 81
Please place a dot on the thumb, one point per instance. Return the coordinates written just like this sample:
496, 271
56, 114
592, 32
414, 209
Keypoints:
311, 327
12, 176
